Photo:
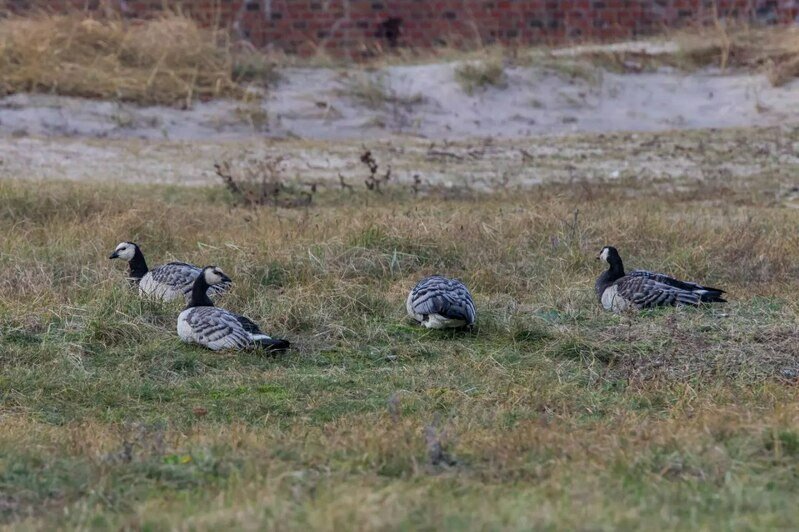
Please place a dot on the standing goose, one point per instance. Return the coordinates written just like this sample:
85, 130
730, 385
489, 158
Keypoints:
440, 303
167, 282
639, 289
216, 328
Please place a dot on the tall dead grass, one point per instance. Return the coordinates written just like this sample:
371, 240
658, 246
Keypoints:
169, 60
173, 60
773, 50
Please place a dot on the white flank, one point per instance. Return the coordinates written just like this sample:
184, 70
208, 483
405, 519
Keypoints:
185, 331
612, 301
437, 321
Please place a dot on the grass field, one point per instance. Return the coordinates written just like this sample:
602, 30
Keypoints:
551, 414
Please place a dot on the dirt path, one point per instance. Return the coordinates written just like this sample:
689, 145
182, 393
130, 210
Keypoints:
485, 164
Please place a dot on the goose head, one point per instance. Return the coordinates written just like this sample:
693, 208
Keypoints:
125, 251
213, 275
610, 255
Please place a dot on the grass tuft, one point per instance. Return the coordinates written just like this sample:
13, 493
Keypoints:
169, 60
372, 91
478, 75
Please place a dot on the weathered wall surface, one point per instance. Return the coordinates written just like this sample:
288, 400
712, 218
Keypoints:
355, 26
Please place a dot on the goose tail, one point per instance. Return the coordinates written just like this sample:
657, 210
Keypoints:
271, 344
711, 295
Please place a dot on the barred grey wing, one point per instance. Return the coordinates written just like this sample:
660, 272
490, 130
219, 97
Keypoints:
707, 294
665, 279
177, 275
218, 328
181, 276
646, 292
448, 297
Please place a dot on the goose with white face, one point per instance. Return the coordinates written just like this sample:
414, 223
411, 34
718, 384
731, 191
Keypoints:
168, 282
619, 291
215, 276
216, 328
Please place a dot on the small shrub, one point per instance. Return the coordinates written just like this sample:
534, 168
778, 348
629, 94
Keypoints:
373, 92
374, 181
262, 182
480, 75
255, 68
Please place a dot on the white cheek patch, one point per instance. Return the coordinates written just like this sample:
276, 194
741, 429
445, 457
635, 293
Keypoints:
125, 251
211, 277
604, 254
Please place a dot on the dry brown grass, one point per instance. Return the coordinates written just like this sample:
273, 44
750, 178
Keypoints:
775, 50
473, 76
172, 60
167, 60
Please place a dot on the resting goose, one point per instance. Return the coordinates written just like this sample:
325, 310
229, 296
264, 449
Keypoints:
216, 328
167, 282
639, 289
440, 303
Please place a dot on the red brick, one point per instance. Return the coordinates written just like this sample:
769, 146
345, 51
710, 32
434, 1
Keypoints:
295, 25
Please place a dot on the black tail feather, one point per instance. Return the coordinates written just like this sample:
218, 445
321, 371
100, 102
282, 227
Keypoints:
712, 295
273, 344
716, 290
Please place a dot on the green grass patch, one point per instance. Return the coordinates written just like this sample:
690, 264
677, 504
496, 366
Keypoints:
551, 413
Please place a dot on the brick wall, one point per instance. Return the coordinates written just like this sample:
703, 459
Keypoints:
355, 26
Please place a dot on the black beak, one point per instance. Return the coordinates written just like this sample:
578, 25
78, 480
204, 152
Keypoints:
113, 255
226, 279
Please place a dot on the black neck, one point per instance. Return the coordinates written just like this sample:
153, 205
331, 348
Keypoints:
137, 265
609, 276
616, 267
199, 293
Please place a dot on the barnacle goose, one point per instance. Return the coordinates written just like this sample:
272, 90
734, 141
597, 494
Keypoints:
216, 328
440, 303
167, 282
639, 289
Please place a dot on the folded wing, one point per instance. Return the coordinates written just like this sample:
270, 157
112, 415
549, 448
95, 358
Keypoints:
648, 292
446, 297
706, 294
179, 277
217, 328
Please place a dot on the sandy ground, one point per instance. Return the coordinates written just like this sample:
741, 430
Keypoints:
543, 124
426, 101
708, 155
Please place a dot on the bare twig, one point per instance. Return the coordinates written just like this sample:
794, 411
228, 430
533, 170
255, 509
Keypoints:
262, 183
374, 181
417, 184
